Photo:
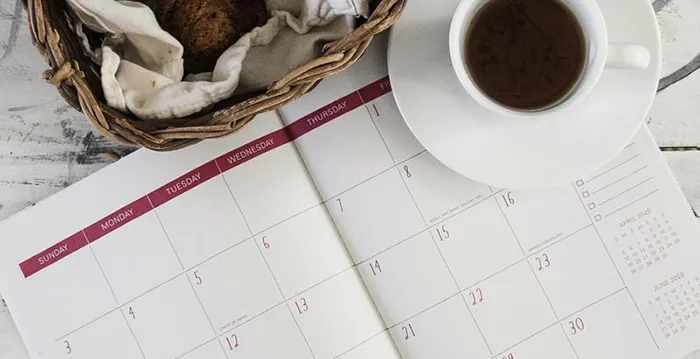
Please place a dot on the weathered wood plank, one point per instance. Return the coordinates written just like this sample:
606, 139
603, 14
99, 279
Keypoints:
44, 144
674, 119
686, 167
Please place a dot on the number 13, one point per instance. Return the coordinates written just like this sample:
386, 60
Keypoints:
301, 305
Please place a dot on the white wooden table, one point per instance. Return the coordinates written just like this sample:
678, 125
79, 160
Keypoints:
45, 145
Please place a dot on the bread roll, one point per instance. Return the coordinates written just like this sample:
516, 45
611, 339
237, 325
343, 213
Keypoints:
206, 28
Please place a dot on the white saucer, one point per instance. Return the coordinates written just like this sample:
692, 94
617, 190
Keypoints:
504, 151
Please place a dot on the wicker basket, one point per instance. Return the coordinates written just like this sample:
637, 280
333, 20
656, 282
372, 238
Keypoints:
78, 81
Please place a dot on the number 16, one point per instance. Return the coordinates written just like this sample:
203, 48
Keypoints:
508, 199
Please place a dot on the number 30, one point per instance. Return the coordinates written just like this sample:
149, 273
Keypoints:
576, 326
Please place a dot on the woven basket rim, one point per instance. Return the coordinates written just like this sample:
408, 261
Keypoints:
77, 80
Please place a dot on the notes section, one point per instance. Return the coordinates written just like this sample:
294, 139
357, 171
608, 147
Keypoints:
646, 227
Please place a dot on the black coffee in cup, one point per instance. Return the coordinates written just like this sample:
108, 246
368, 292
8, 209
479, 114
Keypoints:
525, 54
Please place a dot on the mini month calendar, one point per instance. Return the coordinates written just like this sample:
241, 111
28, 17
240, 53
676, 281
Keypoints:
325, 230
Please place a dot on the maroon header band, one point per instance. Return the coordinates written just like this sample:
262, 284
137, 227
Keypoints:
184, 183
202, 174
53, 254
117, 219
253, 149
325, 114
375, 90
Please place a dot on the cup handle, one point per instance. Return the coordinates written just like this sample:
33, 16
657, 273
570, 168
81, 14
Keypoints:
626, 56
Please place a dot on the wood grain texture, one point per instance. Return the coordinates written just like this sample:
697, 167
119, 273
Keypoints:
674, 117
46, 146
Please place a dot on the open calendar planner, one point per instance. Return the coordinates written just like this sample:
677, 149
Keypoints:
327, 231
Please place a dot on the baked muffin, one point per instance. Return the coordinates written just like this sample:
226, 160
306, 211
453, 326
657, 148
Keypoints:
207, 28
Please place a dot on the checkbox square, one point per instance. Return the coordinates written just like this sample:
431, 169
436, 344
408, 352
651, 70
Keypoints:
591, 205
585, 194
579, 183
598, 218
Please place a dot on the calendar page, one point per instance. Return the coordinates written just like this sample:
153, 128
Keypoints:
219, 251
332, 233
605, 267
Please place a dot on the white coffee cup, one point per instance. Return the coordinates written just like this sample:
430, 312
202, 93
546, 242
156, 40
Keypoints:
601, 55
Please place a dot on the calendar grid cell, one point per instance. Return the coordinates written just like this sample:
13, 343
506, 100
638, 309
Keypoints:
170, 242
361, 343
133, 335
101, 270
569, 341
607, 250
245, 220
449, 270
296, 322
379, 132
413, 199
277, 283
221, 345
539, 282
503, 213
481, 332
199, 301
